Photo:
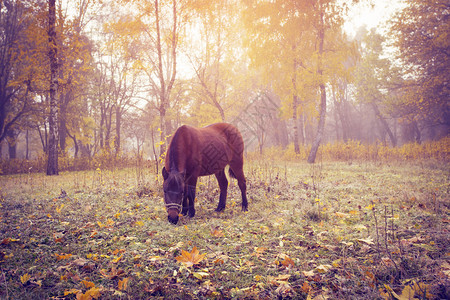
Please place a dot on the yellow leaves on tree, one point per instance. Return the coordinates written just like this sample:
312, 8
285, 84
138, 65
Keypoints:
190, 259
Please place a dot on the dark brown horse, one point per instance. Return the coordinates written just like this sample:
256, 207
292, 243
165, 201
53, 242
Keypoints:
195, 152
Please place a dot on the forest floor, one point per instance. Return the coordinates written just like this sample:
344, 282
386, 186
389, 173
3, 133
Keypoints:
332, 230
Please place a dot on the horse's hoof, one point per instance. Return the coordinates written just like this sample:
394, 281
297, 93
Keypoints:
219, 209
191, 213
244, 208
184, 212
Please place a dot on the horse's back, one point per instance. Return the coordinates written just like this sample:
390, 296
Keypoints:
230, 133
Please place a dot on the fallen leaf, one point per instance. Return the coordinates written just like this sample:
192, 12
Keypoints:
88, 284
123, 284
113, 273
190, 259
309, 273
283, 289
200, 275
368, 241
341, 215
323, 268
306, 288
62, 256
92, 293
7, 241
117, 259
217, 233
288, 262
25, 278
71, 291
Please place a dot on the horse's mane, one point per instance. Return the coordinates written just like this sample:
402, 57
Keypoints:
175, 148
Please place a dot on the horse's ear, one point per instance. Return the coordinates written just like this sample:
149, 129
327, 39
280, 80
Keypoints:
165, 174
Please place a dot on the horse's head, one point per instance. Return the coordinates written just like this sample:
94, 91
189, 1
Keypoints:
173, 193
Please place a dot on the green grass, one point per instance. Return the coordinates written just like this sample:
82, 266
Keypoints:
337, 230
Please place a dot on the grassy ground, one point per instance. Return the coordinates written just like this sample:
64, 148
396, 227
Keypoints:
329, 230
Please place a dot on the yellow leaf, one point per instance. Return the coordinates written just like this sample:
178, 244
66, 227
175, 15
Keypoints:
217, 233
137, 257
88, 284
309, 273
6, 241
117, 259
260, 250
62, 256
264, 229
92, 293
370, 207
391, 292
342, 215
288, 262
282, 277
100, 224
190, 258
155, 258
123, 284
407, 293
58, 209
306, 287
71, 291
200, 275
323, 268
25, 278
368, 241
336, 263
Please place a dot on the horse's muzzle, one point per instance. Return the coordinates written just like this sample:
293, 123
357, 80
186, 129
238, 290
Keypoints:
173, 220
173, 216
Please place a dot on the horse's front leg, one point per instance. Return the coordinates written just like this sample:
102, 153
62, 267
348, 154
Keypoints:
223, 185
184, 211
190, 196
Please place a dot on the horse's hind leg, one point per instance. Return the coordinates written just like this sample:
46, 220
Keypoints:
242, 182
223, 185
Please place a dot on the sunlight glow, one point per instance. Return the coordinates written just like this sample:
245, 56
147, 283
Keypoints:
371, 16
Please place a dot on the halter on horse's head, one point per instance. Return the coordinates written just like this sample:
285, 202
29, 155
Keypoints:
173, 193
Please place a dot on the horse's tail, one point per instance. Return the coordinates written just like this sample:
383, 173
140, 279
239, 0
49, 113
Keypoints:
231, 173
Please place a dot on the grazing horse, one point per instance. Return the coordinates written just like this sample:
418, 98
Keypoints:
195, 152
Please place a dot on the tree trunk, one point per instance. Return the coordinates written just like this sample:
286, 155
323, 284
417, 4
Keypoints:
52, 163
12, 143
384, 124
27, 144
301, 131
323, 95
295, 106
64, 100
75, 143
166, 85
118, 125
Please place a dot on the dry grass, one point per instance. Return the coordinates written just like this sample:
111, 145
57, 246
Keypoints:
336, 230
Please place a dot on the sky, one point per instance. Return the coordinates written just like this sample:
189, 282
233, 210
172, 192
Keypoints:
378, 15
